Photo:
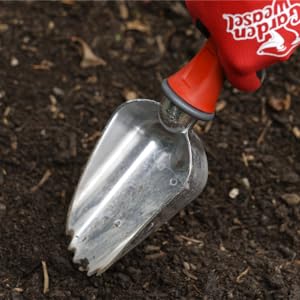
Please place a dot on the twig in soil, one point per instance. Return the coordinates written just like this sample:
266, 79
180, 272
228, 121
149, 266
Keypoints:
29, 48
261, 137
263, 110
296, 262
243, 274
137, 25
221, 104
5, 115
246, 158
92, 137
192, 240
196, 289
198, 129
155, 255
123, 10
14, 143
161, 45
45, 177
208, 126
73, 144
151, 248
44, 65
188, 274
46, 277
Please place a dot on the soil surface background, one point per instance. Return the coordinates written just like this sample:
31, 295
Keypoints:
239, 240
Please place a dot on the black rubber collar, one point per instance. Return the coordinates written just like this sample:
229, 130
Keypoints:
187, 108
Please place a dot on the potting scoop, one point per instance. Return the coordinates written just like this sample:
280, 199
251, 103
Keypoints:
147, 166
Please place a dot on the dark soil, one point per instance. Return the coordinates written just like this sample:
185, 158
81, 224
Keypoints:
218, 247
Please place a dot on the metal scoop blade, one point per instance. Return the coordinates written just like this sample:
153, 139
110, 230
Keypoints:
140, 174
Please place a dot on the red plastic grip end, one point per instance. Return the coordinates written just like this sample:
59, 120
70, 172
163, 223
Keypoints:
200, 82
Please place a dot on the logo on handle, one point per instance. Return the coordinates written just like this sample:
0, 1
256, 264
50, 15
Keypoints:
273, 26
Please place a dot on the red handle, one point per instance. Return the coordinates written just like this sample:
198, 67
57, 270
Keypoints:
198, 83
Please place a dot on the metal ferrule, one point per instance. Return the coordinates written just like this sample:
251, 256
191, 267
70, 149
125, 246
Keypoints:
173, 118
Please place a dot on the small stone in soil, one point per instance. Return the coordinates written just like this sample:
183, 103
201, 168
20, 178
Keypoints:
129, 95
14, 62
234, 193
58, 92
291, 199
296, 132
51, 25
186, 266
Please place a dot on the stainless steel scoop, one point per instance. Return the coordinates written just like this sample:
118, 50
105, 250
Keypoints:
148, 165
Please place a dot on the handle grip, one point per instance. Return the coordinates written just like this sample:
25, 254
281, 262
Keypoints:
196, 87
